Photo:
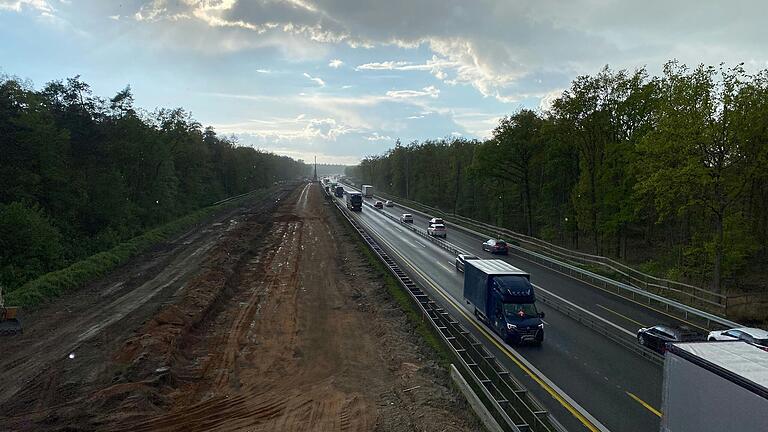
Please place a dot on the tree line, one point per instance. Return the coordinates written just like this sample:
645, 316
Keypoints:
80, 173
668, 172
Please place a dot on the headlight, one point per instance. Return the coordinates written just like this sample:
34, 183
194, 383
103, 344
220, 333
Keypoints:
541, 326
511, 326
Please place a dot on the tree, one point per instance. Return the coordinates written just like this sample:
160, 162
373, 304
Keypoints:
696, 158
508, 156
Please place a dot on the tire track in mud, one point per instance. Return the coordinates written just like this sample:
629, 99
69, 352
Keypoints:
258, 379
284, 329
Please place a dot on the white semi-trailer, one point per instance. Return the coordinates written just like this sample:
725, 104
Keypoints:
715, 386
367, 191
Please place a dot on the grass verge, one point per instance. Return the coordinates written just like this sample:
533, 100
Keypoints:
56, 283
402, 299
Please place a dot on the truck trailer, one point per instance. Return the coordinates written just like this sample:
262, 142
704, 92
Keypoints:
715, 386
354, 200
503, 298
367, 191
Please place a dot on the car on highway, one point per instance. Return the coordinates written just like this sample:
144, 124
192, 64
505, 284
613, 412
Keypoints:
435, 221
406, 218
657, 337
378, 205
754, 336
389, 203
496, 246
462, 259
437, 230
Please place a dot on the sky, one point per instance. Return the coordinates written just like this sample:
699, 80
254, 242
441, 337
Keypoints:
343, 79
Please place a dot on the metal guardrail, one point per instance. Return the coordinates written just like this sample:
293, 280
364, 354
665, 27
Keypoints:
636, 294
510, 402
633, 276
595, 324
600, 327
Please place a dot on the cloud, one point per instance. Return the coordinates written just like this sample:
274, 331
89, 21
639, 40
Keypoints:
387, 65
545, 104
289, 129
263, 71
430, 91
40, 6
492, 45
335, 63
377, 137
317, 80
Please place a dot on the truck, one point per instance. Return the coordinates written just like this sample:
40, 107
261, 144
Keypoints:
714, 386
339, 191
504, 299
354, 200
367, 191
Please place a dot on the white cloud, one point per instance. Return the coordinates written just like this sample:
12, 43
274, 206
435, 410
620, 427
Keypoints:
40, 6
114, 17
387, 65
492, 45
317, 80
430, 91
545, 104
335, 63
280, 129
375, 136
263, 71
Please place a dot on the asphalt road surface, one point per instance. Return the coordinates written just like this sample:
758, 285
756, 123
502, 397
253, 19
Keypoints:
619, 389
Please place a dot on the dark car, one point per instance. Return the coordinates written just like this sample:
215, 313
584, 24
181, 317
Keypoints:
462, 259
378, 205
657, 337
495, 246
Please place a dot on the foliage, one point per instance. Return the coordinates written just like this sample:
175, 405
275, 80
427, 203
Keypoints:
86, 173
669, 171
81, 272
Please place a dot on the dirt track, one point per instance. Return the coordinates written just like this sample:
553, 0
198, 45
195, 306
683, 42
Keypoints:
270, 321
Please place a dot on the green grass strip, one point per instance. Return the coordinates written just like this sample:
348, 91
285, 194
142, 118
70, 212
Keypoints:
403, 300
75, 276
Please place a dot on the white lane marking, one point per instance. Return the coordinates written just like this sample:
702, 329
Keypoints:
445, 267
575, 306
513, 354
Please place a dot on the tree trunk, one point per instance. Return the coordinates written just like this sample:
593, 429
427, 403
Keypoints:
717, 273
456, 196
528, 212
593, 208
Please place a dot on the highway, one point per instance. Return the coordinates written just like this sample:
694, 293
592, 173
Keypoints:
609, 387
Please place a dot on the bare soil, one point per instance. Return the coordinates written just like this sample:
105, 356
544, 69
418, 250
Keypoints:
266, 318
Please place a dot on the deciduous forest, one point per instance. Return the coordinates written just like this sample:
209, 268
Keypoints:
80, 173
667, 172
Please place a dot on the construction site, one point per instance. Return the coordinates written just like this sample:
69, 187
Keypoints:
265, 317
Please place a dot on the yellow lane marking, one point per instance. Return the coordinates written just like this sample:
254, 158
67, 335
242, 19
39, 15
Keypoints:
620, 315
643, 403
567, 405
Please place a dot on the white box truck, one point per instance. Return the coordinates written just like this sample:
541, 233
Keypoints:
715, 386
367, 191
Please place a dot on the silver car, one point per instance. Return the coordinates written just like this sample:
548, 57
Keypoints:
462, 259
406, 218
755, 336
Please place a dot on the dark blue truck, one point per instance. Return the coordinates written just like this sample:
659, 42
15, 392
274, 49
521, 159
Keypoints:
339, 191
503, 298
354, 200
